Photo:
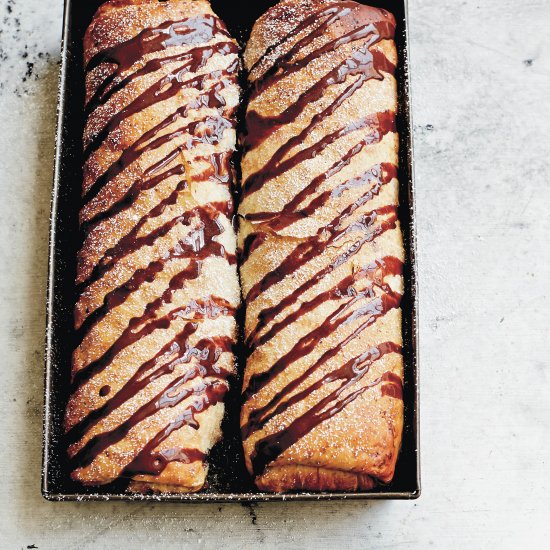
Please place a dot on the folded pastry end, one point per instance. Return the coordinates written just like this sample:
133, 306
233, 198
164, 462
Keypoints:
279, 479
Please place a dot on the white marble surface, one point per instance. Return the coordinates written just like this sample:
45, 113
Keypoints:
481, 83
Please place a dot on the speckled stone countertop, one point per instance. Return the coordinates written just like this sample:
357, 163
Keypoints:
481, 102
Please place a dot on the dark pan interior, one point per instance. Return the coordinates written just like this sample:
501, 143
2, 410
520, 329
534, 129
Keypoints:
228, 479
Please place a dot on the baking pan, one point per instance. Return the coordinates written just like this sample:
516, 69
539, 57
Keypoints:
228, 479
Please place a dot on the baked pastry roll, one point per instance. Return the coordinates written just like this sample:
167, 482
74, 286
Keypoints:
157, 277
322, 250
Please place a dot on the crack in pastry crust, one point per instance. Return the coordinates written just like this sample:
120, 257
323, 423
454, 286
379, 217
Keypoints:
321, 249
155, 327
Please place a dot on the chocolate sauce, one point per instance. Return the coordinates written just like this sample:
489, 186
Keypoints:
147, 275
195, 59
363, 63
170, 34
308, 21
326, 236
170, 397
372, 311
209, 130
251, 243
356, 367
211, 308
186, 32
375, 273
177, 352
270, 448
284, 68
168, 87
378, 125
388, 265
147, 461
154, 463
197, 246
208, 227
392, 386
286, 64
377, 176
129, 198
222, 169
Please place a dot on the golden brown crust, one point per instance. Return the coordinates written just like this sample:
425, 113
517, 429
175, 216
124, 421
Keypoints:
308, 478
322, 249
155, 326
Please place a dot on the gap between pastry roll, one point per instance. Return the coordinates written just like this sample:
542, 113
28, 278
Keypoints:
157, 277
321, 249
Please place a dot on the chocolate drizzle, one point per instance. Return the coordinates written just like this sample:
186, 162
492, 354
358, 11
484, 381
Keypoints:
211, 308
335, 12
191, 368
360, 298
207, 228
363, 62
350, 373
288, 64
378, 176
153, 463
378, 125
269, 448
375, 272
343, 315
212, 128
325, 237
166, 88
174, 354
251, 243
208, 392
198, 245
194, 60
169, 34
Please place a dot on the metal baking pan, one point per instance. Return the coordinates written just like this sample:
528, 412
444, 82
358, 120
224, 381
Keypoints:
228, 479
